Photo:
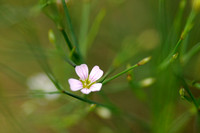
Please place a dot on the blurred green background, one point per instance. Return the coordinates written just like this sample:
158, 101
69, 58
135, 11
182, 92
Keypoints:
111, 33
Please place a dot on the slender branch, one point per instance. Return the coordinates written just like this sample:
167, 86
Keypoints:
85, 100
69, 61
142, 62
70, 26
192, 52
73, 95
189, 92
110, 70
187, 28
119, 74
66, 38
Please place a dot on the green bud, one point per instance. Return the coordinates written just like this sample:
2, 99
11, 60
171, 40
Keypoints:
182, 92
129, 73
51, 36
174, 57
129, 77
92, 107
144, 61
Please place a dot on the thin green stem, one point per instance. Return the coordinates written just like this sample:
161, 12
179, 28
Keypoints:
44, 93
66, 38
74, 55
167, 61
111, 69
66, 58
74, 40
69, 61
93, 31
192, 52
84, 22
84, 100
119, 74
72, 95
162, 17
179, 16
187, 28
189, 93
61, 51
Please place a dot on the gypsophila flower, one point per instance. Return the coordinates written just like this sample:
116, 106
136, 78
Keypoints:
87, 82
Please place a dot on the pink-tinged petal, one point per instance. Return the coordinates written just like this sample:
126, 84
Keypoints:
96, 87
82, 71
85, 91
75, 84
95, 74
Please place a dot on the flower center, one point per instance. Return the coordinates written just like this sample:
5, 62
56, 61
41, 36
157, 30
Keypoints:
87, 83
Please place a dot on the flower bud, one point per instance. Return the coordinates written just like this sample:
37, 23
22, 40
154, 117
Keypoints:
51, 36
129, 77
144, 61
129, 73
174, 57
92, 107
182, 92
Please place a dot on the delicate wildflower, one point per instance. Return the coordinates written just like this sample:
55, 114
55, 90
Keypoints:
87, 82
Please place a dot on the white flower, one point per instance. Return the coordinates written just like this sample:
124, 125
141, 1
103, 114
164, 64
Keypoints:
87, 82
41, 82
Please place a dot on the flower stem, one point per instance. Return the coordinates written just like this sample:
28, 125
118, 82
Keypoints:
187, 28
83, 99
142, 62
74, 40
110, 70
189, 92
192, 52
119, 74
66, 38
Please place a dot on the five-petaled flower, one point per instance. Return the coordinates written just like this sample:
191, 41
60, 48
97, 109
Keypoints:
87, 82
